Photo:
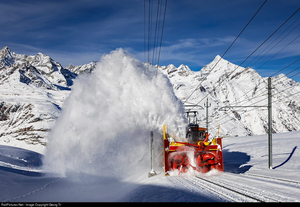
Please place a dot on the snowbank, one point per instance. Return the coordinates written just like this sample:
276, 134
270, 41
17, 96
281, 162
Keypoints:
105, 122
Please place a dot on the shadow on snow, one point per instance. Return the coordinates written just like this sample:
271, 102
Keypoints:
291, 154
154, 193
234, 162
20, 161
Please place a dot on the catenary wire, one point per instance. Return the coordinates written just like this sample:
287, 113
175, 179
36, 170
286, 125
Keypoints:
261, 56
250, 54
255, 104
227, 49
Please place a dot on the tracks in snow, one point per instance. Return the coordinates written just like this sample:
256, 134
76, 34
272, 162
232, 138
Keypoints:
242, 187
185, 183
273, 179
235, 193
32, 192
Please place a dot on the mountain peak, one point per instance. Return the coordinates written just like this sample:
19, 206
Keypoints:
5, 48
7, 57
5, 52
221, 66
184, 70
217, 57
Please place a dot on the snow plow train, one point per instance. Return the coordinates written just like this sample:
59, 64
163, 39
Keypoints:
198, 153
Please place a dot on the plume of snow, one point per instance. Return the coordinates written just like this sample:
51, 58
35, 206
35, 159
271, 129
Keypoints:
105, 122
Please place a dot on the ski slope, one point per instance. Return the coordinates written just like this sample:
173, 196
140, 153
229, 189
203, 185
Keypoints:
246, 178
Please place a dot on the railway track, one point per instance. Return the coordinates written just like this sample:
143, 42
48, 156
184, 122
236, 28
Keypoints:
272, 178
235, 193
200, 185
241, 187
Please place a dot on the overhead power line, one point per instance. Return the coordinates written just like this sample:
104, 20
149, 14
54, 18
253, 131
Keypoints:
162, 32
155, 24
251, 53
279, 51
261, 56
228, 48
264, 98
257, 92
251, 90
262, 94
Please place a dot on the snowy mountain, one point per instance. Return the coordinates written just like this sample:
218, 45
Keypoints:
34, 88
230, 85
82, 69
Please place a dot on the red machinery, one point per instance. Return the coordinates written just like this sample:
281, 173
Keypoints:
197, 154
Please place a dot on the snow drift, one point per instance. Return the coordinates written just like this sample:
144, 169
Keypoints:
105, 122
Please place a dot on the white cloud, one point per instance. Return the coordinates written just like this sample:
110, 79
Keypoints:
192, 51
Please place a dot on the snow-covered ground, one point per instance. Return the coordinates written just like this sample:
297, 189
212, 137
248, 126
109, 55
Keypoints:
246, 171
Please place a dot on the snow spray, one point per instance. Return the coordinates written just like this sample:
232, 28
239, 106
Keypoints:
105, 122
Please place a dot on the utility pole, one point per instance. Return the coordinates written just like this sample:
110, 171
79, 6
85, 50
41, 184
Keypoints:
270, 121
152, 172
206, 105
270, 130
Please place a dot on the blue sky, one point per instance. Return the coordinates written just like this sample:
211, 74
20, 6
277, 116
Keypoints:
195, 31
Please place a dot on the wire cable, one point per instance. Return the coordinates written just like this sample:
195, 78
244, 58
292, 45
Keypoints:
272, 43
155, 30
228, 48
249, 55
162, 32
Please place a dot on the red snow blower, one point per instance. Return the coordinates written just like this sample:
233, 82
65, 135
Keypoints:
198, 153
